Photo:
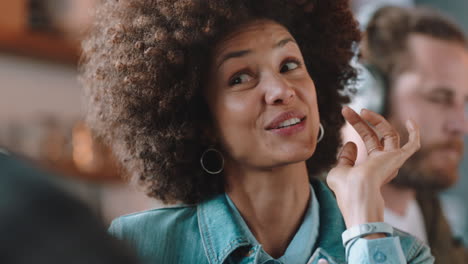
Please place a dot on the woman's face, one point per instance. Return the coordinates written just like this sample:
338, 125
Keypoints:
262, 98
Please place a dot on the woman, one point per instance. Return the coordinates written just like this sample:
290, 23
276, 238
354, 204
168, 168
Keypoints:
216, 104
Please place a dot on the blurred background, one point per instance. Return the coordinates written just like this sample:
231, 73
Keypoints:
40, 103
454, 200
41, 114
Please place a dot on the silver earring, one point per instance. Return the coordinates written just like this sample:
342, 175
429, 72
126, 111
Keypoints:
321, 133
203, 161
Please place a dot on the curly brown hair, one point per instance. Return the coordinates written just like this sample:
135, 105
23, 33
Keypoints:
142, 69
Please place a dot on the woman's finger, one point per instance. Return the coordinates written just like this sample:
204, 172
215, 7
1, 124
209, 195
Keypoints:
390, 137
348, 155
413, 143
368, 135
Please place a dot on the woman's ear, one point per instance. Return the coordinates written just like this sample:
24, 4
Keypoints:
209, 135
208, 132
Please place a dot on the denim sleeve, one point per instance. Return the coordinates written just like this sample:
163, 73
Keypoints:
385, 250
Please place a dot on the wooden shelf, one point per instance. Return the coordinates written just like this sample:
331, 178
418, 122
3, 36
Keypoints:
16, 36
40, 45
69, 169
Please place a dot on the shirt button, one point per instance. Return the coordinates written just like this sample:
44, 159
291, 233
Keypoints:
250, 253
379, 257
322, 261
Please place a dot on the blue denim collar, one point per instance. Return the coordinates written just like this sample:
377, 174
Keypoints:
221, 235
331, 223
300, 248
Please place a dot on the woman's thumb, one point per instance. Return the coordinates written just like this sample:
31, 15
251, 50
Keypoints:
348, 154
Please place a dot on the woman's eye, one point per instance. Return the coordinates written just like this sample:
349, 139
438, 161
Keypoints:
239, 79
288, 66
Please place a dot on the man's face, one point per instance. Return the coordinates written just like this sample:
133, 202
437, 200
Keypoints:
433, 92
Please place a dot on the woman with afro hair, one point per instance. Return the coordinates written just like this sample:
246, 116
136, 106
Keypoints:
231, 108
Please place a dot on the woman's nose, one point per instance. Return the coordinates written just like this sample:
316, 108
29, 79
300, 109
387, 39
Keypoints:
278, 90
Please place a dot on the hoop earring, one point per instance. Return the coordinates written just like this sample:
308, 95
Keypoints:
321, 133
204, 163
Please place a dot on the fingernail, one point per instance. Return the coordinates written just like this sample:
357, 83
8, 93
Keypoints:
344, 109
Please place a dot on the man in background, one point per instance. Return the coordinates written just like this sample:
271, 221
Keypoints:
420, 60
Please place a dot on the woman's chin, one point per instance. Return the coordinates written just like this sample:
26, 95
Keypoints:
288, 158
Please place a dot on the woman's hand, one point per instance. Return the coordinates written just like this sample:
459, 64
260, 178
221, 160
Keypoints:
357, 187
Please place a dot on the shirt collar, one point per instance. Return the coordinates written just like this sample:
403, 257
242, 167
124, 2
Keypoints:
301, 246
331, 223
222, 234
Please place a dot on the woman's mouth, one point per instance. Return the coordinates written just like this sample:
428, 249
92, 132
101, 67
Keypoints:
289, 126
289, 122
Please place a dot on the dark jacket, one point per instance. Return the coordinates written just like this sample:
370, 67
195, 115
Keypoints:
443, 246
40, 223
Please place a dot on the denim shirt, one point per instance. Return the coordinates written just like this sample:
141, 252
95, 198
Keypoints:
208, 233
302, 244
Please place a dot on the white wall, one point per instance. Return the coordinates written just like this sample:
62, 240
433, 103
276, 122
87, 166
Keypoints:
29, 87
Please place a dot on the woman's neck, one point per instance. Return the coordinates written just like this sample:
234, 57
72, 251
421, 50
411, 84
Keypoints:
271, 202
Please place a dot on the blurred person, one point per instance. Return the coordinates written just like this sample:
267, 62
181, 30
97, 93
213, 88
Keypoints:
215, 105
419, 61
364, 9
40, 223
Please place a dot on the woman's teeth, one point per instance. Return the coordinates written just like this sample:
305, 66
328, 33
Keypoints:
289, 122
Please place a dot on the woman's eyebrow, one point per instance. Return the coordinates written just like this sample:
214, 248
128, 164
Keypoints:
234, 54
283, 42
